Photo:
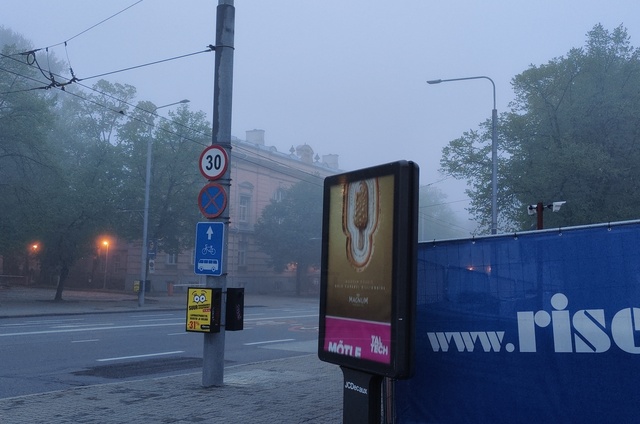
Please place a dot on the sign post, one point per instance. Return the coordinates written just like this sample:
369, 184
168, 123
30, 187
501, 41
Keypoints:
213, 349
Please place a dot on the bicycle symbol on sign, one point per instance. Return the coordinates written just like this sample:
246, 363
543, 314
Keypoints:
208, 249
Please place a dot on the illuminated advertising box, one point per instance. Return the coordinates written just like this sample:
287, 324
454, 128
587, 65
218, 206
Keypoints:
368, 274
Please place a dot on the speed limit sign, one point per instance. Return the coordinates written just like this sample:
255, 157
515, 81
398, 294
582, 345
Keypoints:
213, 162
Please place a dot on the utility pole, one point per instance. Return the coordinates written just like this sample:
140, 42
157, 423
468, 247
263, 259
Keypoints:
213, 353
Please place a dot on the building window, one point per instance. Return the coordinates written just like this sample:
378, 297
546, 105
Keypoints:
172, 259
243, 209
279, 195
117, 263
242, 254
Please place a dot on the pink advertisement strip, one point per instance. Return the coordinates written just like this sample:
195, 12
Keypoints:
359, 339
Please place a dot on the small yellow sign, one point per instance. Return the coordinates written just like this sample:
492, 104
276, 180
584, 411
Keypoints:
203, 310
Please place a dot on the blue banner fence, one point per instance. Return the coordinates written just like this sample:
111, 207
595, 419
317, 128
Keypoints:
537, 327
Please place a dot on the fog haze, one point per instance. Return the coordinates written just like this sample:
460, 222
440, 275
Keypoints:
345, 77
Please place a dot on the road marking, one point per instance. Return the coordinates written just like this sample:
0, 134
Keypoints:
97, 327
177, 334
75, 330
159, 319
269, 341
151, 315
80, 325
48, 322
175, 352
85, 341
286, 317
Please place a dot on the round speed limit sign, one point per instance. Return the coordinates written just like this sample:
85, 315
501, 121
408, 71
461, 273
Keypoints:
213, 162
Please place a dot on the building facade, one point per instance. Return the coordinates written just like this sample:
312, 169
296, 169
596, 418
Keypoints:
259, 173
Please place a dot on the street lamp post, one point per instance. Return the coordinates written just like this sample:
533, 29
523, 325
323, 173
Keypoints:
106, 263
494, 150
145, 224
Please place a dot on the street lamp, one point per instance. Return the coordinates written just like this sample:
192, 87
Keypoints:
32, 251
145, 224
494, 150
106, 263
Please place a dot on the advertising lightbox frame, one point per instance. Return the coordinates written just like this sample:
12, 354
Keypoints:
368, 271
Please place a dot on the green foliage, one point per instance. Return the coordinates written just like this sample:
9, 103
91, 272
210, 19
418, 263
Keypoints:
290, 230
25, 120
72, 166
572, 135
175, 179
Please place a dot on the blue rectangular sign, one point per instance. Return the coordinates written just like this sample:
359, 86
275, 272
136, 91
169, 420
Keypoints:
209, 248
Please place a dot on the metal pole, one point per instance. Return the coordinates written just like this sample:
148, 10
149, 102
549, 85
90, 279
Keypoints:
145, 224
494, 149
539, 211
494, 169
106, 265
213, 349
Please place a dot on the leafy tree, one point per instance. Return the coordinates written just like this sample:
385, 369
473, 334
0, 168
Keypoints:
87, 176
72, 164
25, 119
572, 135
175, 180
290, 230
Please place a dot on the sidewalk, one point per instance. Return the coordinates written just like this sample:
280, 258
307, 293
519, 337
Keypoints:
293, 390
22, 301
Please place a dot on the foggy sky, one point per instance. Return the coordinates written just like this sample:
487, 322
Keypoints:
346, 77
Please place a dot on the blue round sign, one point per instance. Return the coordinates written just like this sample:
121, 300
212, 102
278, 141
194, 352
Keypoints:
212, 200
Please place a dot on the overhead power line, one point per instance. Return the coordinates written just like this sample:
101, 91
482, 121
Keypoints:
88, 29
53, 83
210, 48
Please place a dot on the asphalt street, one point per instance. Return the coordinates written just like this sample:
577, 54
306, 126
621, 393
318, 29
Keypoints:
291, 386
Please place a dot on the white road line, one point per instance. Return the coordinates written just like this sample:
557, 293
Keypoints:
81, 325
47, 322
140, 356
97, 327
178, 334
75, 330
269, 341
160, 319
285, 317
85, 341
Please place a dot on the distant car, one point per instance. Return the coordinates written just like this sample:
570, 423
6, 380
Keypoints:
208, 264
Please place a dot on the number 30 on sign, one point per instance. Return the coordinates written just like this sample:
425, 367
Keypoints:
213, 162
